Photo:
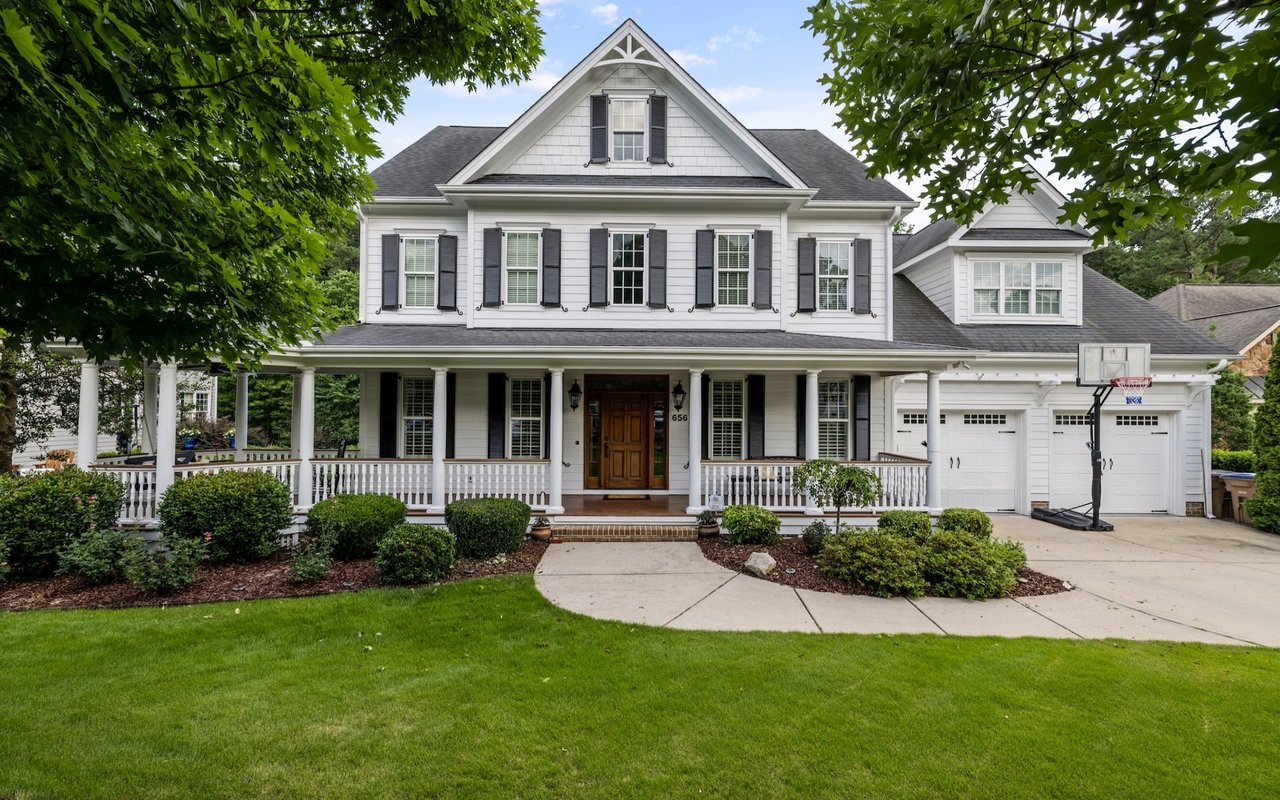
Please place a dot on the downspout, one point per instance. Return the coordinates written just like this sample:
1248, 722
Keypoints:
1206, 447
888, 256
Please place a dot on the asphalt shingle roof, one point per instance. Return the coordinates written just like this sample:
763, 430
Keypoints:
826, 166
1235, 314
925, 239
433, 159
1018, 234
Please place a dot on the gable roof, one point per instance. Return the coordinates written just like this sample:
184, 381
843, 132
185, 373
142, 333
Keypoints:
1236, 314
1112, 313
826, 166
433, 159
925, 239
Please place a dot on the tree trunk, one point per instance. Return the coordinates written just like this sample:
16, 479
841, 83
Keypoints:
8, 404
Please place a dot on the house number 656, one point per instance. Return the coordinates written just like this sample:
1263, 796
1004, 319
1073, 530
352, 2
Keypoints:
679, 417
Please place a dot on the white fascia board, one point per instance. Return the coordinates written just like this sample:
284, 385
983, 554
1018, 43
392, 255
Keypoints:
594, 192
917, 258
1082, 245
840, 205
404, 201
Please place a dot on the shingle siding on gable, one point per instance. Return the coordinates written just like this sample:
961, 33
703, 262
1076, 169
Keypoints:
566, 146
1017, 213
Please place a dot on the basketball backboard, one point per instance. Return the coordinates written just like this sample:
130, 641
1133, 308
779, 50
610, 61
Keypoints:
1098, 364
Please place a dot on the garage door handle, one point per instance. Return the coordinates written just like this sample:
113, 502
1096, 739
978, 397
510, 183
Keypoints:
1111, 463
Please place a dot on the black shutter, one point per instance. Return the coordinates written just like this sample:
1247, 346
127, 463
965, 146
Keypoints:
802, 392
388, 413
862, 276
599, 128
704, 263
451, 414
861, 418
657, 129
807, 274
390, 271
599, 267
551, 267
764, 269
492, 267
546, 416
448, 300
706, 416
497, 415
755, 416
657, 269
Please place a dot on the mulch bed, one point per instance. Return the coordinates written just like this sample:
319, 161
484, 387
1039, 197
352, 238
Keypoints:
806, 575
263, 579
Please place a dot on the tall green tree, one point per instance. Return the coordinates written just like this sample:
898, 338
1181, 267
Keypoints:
1264, 508
1232, 412
1142, 104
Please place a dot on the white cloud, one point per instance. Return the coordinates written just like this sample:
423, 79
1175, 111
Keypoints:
736, 94
607, 13
541, 80
737, 37
687, 58
547, 8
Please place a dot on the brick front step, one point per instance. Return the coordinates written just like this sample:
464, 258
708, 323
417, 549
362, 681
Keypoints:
626, 533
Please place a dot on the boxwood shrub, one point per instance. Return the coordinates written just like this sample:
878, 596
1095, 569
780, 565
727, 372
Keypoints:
412, 554
966, 520
353, 524
41, 514
959, 564
749, 524
486, 526
1234, 460
909, 524
171, 567
815, 536
97, 556
876, 561
239, 514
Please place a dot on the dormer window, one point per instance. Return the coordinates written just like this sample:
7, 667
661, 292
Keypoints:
1017, 288
628, 128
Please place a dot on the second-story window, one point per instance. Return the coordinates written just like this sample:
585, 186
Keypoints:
628, 269
419, 273
628, 128
733, 269
1017, 287
833, 276
522, 268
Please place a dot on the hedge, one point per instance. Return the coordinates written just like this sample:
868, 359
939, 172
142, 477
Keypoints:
749, 524
1234, 460
40, 515
351, 525
238, 514
487, 526
413, 554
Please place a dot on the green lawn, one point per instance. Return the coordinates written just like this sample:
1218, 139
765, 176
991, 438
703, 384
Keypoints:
482, 689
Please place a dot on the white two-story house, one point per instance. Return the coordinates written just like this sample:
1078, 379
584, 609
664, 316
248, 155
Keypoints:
628, 294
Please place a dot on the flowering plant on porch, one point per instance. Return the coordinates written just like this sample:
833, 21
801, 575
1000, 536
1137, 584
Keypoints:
828, 483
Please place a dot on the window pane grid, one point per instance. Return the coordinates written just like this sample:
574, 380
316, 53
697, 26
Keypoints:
833, 276
733, 267
727, 407
526, 418
522, 268
418, 408
628, 268
419, 273
1017, 287
628, 129
833, 420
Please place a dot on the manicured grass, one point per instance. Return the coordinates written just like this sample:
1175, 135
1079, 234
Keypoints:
482, 689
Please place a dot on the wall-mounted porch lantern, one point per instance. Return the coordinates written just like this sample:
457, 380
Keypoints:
677, 396
575, 396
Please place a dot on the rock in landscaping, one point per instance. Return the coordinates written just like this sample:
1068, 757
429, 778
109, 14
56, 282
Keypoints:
760, 564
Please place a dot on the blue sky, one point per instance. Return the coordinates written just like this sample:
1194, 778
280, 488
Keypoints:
753, 56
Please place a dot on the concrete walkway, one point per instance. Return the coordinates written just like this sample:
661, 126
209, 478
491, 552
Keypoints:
1163, 578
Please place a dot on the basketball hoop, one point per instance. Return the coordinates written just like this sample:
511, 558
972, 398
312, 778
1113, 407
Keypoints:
1133, 386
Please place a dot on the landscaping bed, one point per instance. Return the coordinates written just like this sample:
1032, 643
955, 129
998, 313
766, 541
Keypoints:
790, 554
262, 579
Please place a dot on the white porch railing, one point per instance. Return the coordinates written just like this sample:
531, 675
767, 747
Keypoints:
520, 480
139, 483
770, 484
408, 480
272, 454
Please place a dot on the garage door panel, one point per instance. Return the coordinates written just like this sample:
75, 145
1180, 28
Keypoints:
1135, 453
979, 456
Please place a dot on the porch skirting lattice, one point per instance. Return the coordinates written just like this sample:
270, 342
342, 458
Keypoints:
628, 532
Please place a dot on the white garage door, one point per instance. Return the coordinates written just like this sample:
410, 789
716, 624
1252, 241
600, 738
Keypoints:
979, 456
1135, 465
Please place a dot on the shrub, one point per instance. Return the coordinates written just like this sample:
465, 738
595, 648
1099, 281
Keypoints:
238, 513
748, 524
41, 514
412, 554
1010, 552
966, 520
97, 556
815, 535
959, 564
486, 526
907, 524
170, 568
885, 564
1233, 460
4, 560
353, 524
310, 563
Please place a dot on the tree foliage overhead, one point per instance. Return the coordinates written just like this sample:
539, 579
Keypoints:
171, 172
1144, 104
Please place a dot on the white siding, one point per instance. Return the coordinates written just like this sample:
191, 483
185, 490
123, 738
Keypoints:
471, 428
838, 323
449, 221
369, 388
935, 277
780, 414
1019, 212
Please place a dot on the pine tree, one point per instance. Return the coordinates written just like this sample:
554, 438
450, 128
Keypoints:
1264, 508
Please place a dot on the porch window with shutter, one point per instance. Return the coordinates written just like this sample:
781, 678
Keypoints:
419, 272
733, 269
419, 403
526, 418
728, 410
627, 270
521, 253
833, 276
833, 420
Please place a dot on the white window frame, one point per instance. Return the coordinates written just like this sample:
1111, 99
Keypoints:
741, 420
429, 382
848, 275
205, 412
643, 99
644, 267
846, 420
537, 232
435, 271
750, 268
1003, 262
542, 418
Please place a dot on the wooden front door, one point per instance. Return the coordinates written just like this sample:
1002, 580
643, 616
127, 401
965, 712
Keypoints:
625, 423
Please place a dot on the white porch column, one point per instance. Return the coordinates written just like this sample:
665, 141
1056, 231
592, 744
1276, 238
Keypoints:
295, 421
242, 415
811, 428
933, 439
87, 438
306, 433
695, 442
147, 440
166, 428
439, 438
555, 488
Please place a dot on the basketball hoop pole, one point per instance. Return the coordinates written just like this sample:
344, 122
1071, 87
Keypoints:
1100, 396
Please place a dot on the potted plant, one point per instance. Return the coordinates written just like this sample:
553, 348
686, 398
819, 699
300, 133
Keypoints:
541, 528
708, 525
188, 436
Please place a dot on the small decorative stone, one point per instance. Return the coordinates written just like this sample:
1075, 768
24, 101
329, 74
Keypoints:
790, 570
1023, 580
347, 584
1067, 585
760, 564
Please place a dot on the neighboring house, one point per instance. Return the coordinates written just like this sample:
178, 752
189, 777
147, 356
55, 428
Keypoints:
627, 292
1243, 316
